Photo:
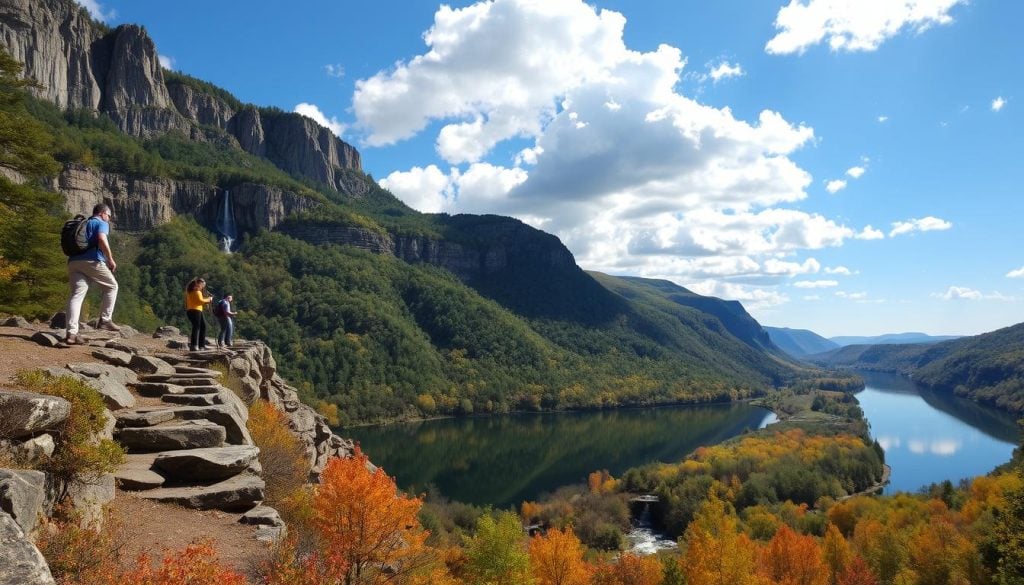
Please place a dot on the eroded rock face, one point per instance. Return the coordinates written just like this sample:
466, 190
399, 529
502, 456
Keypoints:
23, 497
21, 563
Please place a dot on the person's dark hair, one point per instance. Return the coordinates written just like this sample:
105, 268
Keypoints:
100, 208
193, 284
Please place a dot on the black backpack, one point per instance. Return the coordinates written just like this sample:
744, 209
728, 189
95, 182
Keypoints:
218, 309
74, 237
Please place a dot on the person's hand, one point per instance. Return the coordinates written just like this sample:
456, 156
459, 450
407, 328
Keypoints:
112, 265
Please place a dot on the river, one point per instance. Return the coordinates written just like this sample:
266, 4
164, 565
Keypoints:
929, 436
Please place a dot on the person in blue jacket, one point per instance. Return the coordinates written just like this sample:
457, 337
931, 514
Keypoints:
94, 266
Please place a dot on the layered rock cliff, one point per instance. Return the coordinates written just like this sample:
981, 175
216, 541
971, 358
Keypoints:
141, 204
82, 64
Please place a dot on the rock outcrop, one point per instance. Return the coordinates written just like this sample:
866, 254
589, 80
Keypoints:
82, 64
21, 563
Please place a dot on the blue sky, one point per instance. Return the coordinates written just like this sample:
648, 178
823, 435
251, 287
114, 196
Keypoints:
846, 167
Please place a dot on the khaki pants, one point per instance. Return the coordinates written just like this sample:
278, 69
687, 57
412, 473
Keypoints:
82, 273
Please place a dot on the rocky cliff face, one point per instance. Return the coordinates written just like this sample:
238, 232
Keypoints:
141, 204
501, 243
81, 64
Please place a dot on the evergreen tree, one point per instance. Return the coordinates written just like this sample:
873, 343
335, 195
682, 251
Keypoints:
31, 265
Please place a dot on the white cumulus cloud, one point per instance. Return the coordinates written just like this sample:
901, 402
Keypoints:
924, 224
853, 25
334, 70
841, 270
998, 103
883, 119
955, 293
835, 185
870, 233
816, 283
725, 70
313, 112
97, 11
1018, 273
856, 172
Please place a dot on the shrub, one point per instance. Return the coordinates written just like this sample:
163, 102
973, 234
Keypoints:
80, 554
79, 456
282, 455
196, 565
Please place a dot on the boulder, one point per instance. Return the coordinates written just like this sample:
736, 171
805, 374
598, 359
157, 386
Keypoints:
206, 464
113, 356
271, 534
166, 331
127, 331
38, 447
45, 339
23, 497
262, 516
115, 395
90, 497
151, 365
21, 563
16, 321
95, 370
195, 434
240, 492
23, 414
147, 418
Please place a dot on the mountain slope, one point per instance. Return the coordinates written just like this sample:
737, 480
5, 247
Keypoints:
987, 368
890, 339
799, 343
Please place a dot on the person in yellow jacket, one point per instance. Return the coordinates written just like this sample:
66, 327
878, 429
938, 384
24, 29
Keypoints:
195, 301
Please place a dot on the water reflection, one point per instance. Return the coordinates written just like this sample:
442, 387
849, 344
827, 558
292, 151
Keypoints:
929, 437
504, 460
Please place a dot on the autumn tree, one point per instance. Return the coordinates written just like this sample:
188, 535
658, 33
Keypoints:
857, 572
496, 554
835, 551
196, 565
793, 559
556, 558
630, 569
716, 552
367, 528
1009, 532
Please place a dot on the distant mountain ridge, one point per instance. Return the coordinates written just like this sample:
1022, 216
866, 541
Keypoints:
891, 339
988, 367
800, 343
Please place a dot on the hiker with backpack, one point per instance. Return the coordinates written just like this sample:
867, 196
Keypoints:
195, 302
222, 311
90, 261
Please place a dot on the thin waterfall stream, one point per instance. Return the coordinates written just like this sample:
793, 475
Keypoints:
226, 230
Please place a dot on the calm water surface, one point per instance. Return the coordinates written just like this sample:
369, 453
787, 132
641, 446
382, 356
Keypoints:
504, 460
929, 437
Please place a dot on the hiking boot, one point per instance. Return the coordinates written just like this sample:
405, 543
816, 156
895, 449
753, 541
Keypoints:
107, 326
72, 339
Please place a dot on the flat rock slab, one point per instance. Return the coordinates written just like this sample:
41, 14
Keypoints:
113, 357
46, 339
192, 370
115, 394
133, 479
211, 389
150, 365
194, 434
237, 493
23, 414
191, 399
205, 464
157, 389
147, 418
204, 381
262, 516
223, 415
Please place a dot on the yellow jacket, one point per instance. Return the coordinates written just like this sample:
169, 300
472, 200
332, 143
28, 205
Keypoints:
195, 301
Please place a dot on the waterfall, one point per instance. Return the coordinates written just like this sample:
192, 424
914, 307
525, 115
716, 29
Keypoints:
226, 223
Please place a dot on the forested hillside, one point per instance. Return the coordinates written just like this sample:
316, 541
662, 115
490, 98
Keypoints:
987, 368
799, 342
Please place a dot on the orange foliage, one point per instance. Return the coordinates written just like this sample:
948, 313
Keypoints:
630, 569
793, 559
857, 573
282, 455
835, 551
530, 510
196, 565
716, 553
557, 559
369, 529
601, 482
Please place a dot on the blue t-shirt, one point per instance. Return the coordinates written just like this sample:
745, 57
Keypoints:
93, 228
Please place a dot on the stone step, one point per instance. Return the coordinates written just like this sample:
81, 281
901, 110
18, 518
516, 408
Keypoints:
240, 492
203, 465
157, 389
148, 418
262, 516
175, 376
222, 414
186, 370
211, 389
179, 359
172, 436
192, 399
133, 479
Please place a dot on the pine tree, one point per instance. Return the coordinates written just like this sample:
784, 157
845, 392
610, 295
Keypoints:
32, 272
